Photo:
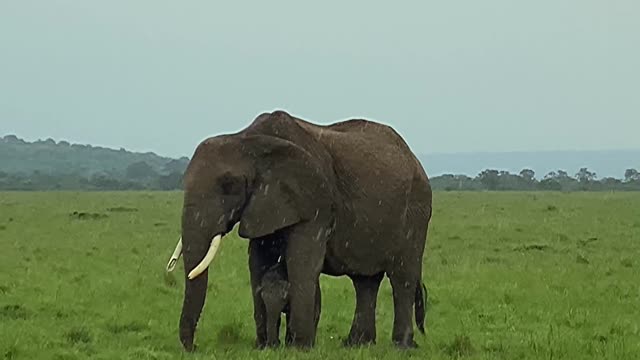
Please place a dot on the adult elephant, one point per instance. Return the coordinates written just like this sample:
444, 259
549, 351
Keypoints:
348, 198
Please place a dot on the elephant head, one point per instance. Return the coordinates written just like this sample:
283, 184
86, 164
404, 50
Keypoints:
263, 182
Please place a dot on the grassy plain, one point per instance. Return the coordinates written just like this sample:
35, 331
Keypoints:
510, 276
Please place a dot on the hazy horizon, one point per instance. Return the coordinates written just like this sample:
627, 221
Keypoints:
485, 77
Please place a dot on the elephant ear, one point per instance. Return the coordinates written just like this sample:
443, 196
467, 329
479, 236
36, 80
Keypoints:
283, 193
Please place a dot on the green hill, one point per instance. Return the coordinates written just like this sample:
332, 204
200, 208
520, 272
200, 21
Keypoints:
55, 158
51, 165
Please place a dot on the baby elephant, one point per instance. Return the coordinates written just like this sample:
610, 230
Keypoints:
274, 291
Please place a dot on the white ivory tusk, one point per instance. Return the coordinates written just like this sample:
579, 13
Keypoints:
204, 264
175, 256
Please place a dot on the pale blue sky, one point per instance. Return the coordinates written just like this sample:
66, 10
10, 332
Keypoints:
450, 76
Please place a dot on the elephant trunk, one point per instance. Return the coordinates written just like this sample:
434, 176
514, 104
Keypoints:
273, 328
194, 293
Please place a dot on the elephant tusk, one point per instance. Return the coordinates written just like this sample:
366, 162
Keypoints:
208, 258
175, 256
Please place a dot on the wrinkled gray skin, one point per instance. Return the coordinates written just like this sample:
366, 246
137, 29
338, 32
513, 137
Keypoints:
343, 199
274, 291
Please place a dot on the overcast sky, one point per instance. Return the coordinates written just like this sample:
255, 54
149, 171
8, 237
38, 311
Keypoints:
450, 76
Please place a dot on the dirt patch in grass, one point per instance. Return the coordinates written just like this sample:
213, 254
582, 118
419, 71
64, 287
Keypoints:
533, 247
122, 209
13, 312
79, 215
78, 335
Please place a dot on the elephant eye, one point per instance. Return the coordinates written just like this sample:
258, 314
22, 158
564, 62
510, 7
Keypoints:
227, 188
230, 184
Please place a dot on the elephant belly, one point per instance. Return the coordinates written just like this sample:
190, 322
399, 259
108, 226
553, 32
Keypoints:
364, 249
334, 267
340, 263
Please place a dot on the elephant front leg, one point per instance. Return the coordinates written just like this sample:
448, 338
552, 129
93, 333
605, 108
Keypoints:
363, 328
304, 256
302, 325
317, 312
261, 257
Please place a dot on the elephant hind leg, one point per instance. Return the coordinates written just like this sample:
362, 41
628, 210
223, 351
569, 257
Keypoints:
363, 328
403, 284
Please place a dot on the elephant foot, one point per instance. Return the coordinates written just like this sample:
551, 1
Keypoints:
272, 344
260, 344
300, 344
189, 347
359, 340
300, 347
405, 344
187, 342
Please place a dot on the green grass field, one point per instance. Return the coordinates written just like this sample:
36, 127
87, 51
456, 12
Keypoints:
510, 276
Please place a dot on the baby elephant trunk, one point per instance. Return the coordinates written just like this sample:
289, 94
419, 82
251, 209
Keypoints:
273, 328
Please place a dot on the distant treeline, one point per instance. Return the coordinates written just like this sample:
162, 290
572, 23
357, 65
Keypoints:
42, 181
583, 180
50, 165
140, 176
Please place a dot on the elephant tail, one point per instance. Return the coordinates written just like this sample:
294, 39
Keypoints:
420, 305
